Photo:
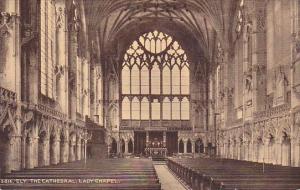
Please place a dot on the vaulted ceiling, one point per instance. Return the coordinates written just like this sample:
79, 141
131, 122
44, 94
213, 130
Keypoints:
197, 24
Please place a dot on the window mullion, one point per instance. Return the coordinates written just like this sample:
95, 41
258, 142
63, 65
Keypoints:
150, 92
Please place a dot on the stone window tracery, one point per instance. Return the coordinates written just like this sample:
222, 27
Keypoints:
48, 48
155, 79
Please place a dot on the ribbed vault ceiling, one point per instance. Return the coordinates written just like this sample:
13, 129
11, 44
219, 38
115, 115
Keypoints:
195, 23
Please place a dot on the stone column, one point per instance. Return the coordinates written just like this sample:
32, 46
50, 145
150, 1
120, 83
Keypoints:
242, 150
44, 158
250, 152
230, 149
296, 154
62, 56
64, 152
23, 152
193, 147
16, 143
119, 147
164, 138
278, 151
221, 150
9, 45
225, 150
238, 150
11, 156
295, 66
126, 147
147, 138
35, 151
55, 148
82, 149
29, 153
71, 151
78, 149
265, 151
246, 145
259, 57
185, 146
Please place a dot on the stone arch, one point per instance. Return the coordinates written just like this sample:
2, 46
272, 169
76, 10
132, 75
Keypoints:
54, 141
114, 146
28, 140
181, 146
228, 148
260, 150
271, 149
123, 145
234, 148
52, 154
113, 116
199, 146
189, 146
4, 148
78, 142
64, 144
82, 144
43, 146
241, 147
130, 146
72, 147
286, 150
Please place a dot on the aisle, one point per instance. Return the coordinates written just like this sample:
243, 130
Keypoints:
167, 180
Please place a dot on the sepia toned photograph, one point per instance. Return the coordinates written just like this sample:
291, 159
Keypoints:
149, 94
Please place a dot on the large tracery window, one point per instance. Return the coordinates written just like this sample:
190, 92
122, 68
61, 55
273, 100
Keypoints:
155, 79
48, 48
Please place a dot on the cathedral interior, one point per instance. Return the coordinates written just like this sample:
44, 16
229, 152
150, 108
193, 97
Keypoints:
115, 79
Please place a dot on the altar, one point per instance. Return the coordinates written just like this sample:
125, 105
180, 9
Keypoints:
156, 149
156, 152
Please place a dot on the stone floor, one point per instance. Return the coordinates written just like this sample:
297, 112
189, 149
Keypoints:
167, 179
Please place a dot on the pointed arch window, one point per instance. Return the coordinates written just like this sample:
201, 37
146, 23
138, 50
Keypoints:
185, 80
135, 80
185, 109
48, 48
145, 112
175, 80
145, 80
166, 80
135, 109
166, 109
156, 77
155, 110
126, 80
126, 108
176, 109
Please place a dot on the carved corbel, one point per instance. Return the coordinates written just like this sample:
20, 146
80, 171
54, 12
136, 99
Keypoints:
229, 91
59, 71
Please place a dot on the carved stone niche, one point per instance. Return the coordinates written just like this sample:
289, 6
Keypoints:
5, 24
297, 118
280, 86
